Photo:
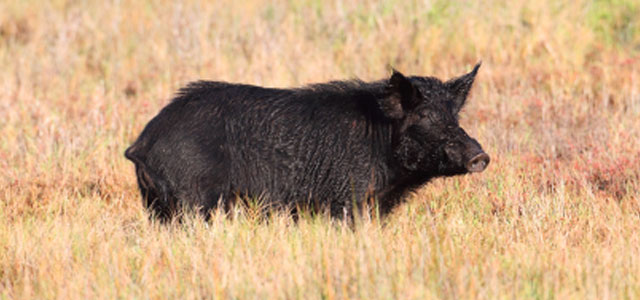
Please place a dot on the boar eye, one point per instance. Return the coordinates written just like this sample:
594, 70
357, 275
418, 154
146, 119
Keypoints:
425, 114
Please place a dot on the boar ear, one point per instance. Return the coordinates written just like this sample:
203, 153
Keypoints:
401, 96
459, 88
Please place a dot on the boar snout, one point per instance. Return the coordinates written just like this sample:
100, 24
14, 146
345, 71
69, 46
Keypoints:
478, 163
466, 154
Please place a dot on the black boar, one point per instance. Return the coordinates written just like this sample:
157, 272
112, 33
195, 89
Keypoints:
335, 145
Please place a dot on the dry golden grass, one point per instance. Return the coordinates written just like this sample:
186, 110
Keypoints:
556, 105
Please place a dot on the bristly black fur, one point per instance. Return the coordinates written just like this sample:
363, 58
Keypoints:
335, 145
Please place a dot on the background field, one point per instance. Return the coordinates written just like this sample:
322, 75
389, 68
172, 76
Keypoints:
556, 104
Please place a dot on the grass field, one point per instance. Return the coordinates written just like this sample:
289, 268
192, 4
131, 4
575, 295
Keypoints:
556, 104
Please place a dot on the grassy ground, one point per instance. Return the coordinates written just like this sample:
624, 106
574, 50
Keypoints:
556, 104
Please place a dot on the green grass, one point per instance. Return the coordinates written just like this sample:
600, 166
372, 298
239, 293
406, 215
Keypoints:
616, 21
